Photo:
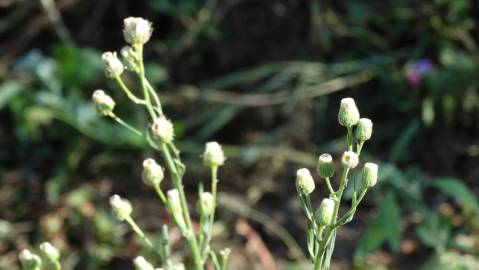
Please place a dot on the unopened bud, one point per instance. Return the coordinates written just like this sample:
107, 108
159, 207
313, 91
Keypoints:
350, 159
113, 65
142, 264
304, 181
152, 172
324, 214
364, 130
175, 203
348, 113
136, 30
121, 207
213, 155
49, 252
29, 260
162, 130
129, 57
325, 167
103, 102
207, 203
369, 176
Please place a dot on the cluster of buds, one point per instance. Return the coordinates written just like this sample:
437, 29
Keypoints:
49, 258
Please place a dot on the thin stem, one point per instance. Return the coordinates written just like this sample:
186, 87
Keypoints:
352, 210
359, 147
139, 232
214, 184
141, 75
127, 91
349, 139
155, 96
328, 183
126, 125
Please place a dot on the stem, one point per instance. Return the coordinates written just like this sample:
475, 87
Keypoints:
349, 139
186, 213
126, 125
359, 147
127, 91
139, 232
328, 183
141, 75
155, 96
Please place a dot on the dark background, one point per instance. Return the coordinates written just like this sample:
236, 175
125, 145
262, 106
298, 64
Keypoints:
263, 78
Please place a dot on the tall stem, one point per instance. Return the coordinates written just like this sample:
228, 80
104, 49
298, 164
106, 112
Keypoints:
141, 75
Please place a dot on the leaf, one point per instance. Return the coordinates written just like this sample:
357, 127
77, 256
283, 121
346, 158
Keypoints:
457, 190
383, 228
406, 136
8, 91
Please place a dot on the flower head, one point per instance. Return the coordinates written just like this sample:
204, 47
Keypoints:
350, 159
29, 260
364, 130
121, 207
136, 30
348, 115
213, 155
369, 175
152, 172
50, 252
103, 102
113, 65
304, 181
325, 167
324, 214
162, 130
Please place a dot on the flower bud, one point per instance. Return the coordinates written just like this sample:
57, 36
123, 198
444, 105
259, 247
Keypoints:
364, 129
49, 252
103, 102
213, 155
142, 264
129, 57
324, 214
348, 113
136, 30
207, 203
30, 261
369, 176
304, 181
152, 172
121, 207
113, 65
162, 130
225, 253
325, 167
350, 159
175, 203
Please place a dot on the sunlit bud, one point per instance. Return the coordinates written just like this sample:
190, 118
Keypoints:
142, 264
129, 57
350, 159
152, 172
213, 155
121, 207
325, 166
113, 65
136, 30
225, 253
207, 203
162, 130
103, 102
30, 261
324, 214
304, 181
364, 130
175, 203
369, 176
348, 113
50, 252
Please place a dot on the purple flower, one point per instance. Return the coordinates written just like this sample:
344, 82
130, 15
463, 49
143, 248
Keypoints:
416, 71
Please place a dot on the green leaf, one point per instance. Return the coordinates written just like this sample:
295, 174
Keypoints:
383, 228
406, 136
457, 190
8, 91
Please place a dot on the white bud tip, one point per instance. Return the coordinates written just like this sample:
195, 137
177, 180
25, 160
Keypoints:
136, 30
142, 264
350, 159
213, 154
162, 130
25, 255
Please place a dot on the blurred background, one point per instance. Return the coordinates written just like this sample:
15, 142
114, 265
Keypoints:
264, 78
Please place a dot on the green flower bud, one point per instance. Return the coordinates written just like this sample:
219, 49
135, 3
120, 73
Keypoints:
175, 203
364, 129
129, 57
152, 172
121, 207
142, 264
324, 214
207, 203
350, 159
113, 65
304, 181
29, 260
369, 176
348, 113
325, 167
136, 30
103, 102
213, 155
162, 130
49, 252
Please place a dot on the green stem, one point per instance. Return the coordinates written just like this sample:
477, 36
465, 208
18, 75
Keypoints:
141, 75
126, 125
139, 232
128, 93
328, 183
185, 211
155, 96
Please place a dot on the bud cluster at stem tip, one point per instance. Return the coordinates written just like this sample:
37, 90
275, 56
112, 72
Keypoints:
325, 167
304, 181
213, 155
136, 30
348, 113
103, 102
